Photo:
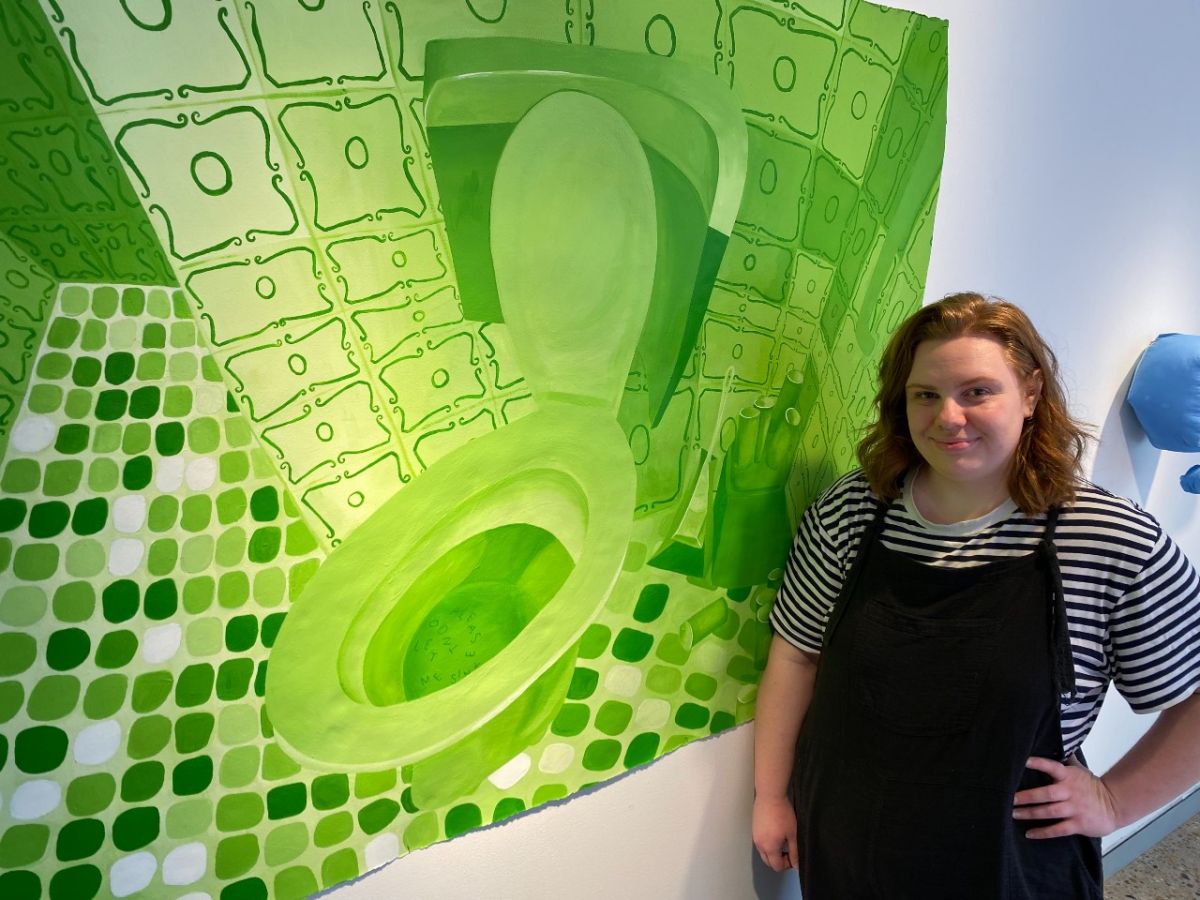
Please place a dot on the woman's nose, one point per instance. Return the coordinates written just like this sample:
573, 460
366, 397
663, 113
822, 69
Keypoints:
950, 413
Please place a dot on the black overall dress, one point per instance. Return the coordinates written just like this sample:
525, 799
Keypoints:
935, 685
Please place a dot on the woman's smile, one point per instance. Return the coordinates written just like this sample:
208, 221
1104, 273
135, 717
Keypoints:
954, 445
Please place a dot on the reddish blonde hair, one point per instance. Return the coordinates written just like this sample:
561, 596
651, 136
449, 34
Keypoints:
1046, 464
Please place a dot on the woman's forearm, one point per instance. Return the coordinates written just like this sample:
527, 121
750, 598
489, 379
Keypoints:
1163, 764
783, 697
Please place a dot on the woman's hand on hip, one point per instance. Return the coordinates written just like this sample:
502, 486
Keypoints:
774, 832
1078, 798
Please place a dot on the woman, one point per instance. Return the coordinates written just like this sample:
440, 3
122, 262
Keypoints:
950, 618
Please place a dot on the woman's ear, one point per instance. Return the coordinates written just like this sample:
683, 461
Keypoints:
1033, 391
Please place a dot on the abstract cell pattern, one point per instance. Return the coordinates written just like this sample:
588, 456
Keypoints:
405, 407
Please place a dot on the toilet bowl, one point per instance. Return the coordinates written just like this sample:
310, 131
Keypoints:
442, 632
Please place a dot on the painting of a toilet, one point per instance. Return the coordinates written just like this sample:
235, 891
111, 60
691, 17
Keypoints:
405, 407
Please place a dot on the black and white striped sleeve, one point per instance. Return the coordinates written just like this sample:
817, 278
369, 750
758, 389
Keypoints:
812, 579
1155, 631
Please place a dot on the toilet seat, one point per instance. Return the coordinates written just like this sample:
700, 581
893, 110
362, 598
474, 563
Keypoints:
574, 333
321, 717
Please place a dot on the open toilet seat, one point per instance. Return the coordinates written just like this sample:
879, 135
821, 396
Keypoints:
574, 244
326, 716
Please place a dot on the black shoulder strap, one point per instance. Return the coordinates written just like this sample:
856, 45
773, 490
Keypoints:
870, 535
1060, 632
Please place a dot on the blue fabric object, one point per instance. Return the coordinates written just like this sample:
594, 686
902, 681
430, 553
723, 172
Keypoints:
1190, 480
1165, 392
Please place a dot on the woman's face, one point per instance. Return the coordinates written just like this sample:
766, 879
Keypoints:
966, 408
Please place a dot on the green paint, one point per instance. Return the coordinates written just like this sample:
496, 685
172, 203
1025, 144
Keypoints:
571, 719
583, 683
135, 828
286, 800
601, 755
79, 839
236, 855
23, 845
21, 476
507, 808
613, 717
641, 749
22, 606
352, 388
192, 776
651, 602
188, 818
161, 600
285, 842
81, 882
74, 602
239, 766
47, 520
632, 645
88, 795
53, 697
12, 513
237, 812
21, 885
89, 516
701, 686
106, 694
137, 473
295, 882
233, 678
463, 818
332, 830
148, 736
193, 731
17, 653
490, 588
691, 715
339, 866
135, 438
120, 600
142, 781
12, 698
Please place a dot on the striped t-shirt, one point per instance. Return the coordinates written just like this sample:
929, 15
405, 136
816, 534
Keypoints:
1133, 598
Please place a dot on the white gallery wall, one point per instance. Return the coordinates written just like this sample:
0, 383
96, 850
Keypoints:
1072, 187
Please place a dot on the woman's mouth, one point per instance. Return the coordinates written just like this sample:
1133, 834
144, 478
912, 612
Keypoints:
957, 444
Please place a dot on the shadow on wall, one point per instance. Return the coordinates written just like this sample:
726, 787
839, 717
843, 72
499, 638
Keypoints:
1124, 454
771, 885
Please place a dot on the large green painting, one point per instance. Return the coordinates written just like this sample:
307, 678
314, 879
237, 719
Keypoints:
405, 406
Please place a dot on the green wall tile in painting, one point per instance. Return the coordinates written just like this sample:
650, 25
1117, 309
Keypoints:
26, 292
64, 198
212, 494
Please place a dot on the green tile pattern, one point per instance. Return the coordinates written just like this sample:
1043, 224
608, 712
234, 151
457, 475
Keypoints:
145, 577
65, 200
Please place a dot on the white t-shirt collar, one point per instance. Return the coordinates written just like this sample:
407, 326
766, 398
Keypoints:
967, 526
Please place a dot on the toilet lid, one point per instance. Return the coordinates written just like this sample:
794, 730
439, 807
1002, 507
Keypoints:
574, 243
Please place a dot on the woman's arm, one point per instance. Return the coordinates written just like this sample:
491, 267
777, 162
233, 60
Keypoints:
1163, 764
783, 697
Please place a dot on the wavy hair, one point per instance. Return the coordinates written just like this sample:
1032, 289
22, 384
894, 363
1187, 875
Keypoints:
1047, 461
